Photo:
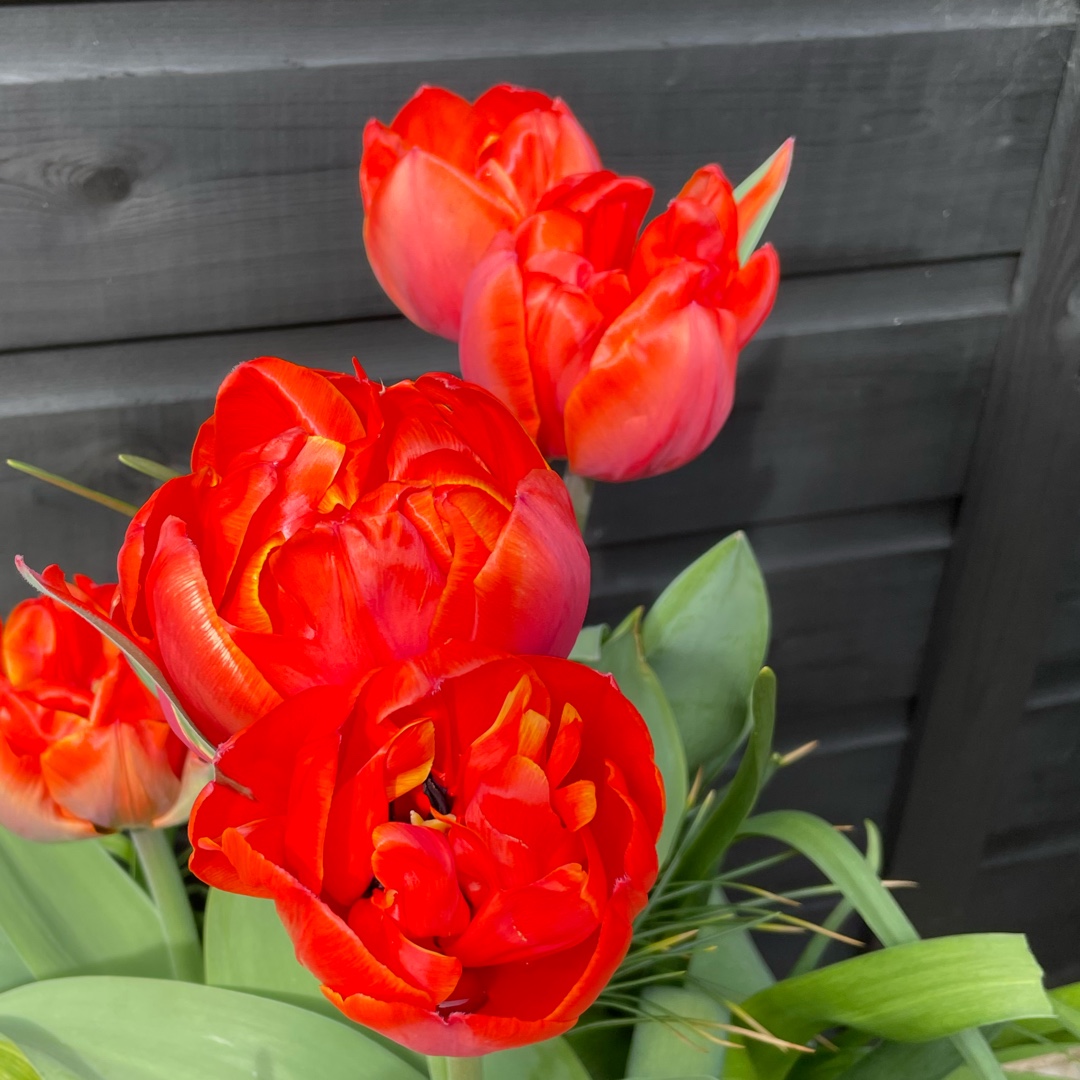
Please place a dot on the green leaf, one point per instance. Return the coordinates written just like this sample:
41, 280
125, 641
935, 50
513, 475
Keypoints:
247, 948
916, 992
589, 642
550, 1060
13, 1063
705, 637
668, 1046
932, 1060
1033, 1060
815, 948
727, 963
841, 862
758, 195
154, 469
144, 1029
700, 856
68, 908
622, 656
99, 497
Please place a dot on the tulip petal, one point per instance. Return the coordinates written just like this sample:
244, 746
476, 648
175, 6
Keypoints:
533, 592
443, 124
547, 916
224, 689
27, 808
751, 294
659, 388
492, 349
116, 776
428, 227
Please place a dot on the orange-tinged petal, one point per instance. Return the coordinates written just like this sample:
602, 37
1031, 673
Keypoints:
26, 807
443, 124
575, 803
523, 924
493, 350
534, 590
220, 685
659, 388
752, 292
428, 226
757, 198
117, 776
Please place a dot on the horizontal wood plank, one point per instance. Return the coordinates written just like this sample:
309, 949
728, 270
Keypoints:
142, 193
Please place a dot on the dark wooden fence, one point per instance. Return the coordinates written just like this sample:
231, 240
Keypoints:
177, 194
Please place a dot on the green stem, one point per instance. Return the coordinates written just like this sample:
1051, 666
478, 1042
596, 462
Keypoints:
158, 862
581, 494
456, 1068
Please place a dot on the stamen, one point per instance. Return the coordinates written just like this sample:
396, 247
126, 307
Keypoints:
437, 795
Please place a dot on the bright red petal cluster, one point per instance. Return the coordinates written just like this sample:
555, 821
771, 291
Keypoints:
330, 525
457, 853
616, 352
83, 744
445, 177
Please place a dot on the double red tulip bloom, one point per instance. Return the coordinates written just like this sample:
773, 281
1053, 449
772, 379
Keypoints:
83, 744
445, 177
615, 352
330, 525
457, 854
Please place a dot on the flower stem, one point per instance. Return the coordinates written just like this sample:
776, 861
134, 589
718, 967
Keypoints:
456, 1068
158, 862
581, 493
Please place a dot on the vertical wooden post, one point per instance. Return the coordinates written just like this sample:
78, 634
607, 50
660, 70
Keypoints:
1018, 520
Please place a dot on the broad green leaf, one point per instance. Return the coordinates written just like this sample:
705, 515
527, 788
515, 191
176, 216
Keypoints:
13, 1063
672, 1044
246, 947
622, 656
841, 862
141, 664
700, 856
13, 969
758, 195
550, 1060
115, 1028
916, 992
99, 497
154, 469
68, 908
932, 1060
705, 637
589, 642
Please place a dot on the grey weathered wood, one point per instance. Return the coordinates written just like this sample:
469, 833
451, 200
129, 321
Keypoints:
851, 598
1041, 788
1016, 528
144, 191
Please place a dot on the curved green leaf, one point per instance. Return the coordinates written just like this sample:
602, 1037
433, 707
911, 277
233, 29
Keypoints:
247, 948
672, 1045
550, 1060
706, 637
622, 656
699, 857
68, 908
154, 469
113, 1028
13, 1063
589, 642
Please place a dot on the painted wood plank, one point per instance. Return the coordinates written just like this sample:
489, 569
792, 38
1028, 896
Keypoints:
142, 195
1016, 530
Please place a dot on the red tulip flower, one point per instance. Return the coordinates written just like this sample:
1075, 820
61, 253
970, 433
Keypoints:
619, 356
84, 747
330, 525
459, 854
445, 177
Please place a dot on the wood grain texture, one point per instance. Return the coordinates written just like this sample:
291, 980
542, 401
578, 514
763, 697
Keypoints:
1016, 529
143, 192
